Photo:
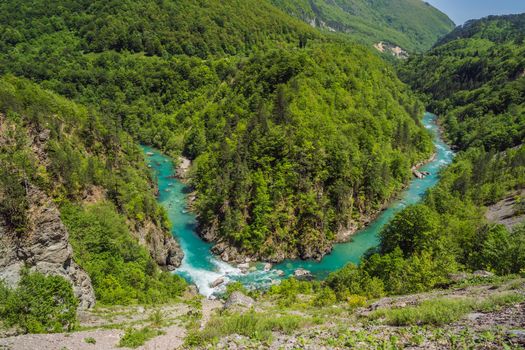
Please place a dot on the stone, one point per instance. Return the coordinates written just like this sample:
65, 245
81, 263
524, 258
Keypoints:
44, 248
302, 274
267, 267
482, 274
279, 272
458, 277
517, 335
238, 299
217, 282
163, 248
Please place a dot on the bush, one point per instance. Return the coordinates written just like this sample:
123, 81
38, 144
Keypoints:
443, 311
133, 338
436, 312
253, 325
325, 297
90, 340
39, 304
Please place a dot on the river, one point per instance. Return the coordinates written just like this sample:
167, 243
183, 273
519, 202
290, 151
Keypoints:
201, 267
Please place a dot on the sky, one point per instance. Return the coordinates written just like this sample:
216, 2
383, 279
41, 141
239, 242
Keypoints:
462, 10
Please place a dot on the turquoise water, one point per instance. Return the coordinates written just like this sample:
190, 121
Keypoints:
202, 268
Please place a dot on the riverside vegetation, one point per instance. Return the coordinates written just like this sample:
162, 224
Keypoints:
290, 145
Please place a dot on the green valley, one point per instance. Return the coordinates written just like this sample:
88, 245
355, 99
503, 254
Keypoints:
183, 174
413, 25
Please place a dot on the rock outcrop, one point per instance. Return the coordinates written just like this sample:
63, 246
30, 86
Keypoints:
44, 248
162, 247
238, 300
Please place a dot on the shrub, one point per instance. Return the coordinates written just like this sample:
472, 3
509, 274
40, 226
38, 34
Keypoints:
39, 304
325, 297
436, 312
442, 311
355, 301
121, 270
90, 340
254, 325
133, 338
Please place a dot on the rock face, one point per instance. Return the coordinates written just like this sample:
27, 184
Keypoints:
302, 274
44, 248
163, 248
217, 282
238, 300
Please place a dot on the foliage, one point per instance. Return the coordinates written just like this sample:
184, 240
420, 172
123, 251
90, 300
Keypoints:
444, 311
258, 326
133, 338
413, 25
121, 271
474, 79
294, 134
234, 287
411, 230
39, 304
298, 145
435, 312
476, 82
90, 340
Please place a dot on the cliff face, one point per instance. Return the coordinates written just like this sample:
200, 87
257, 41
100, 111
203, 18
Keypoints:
163, 248
44, 248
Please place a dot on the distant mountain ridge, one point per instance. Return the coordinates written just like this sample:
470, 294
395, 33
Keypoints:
494, 28
413, 25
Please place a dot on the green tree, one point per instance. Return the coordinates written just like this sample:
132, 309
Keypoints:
412, 230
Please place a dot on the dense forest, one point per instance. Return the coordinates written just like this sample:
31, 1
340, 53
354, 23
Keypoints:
413, 25
71, 153
475, 80
292, 144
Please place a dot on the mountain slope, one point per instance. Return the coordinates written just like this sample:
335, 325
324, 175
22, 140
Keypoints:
249, 120
476, 81
75, 194
476, 84
413, 25
195, 28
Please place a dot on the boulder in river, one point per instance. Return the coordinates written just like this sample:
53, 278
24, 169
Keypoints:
238, 300
279, 272
244, 267
217, 282
267, 267
302, 274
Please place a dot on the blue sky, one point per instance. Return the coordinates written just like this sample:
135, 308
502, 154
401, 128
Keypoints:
462, 10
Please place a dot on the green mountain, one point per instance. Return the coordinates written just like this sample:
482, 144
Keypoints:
475, 79
70, 179
245, 104
414, 25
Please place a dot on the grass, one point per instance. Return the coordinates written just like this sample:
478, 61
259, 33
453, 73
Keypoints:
90, 340
436, 312
256, 326
443, 311
133, 338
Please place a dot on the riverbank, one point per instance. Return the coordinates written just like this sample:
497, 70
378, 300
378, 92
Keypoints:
201, 267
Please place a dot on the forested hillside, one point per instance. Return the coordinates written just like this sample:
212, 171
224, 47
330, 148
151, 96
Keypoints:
291, 146
413, 25
299, 146
95, 174
476, 84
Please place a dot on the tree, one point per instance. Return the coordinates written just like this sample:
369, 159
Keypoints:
412, 230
